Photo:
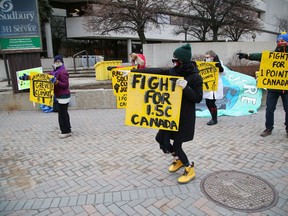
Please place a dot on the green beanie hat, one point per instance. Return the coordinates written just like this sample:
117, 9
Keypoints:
183, 53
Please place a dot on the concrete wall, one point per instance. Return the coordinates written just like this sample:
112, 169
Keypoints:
160, 55
80, 99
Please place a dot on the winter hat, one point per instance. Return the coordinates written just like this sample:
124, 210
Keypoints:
283, 37
58, 58
211, 53
183, 53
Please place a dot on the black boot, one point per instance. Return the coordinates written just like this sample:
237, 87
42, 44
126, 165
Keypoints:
213, 112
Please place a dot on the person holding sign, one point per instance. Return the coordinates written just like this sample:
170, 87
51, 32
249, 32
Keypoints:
60, 80
273, 94
192, 89
62, 93
212, 96
138, 60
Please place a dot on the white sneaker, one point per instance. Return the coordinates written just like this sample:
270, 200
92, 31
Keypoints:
63, 136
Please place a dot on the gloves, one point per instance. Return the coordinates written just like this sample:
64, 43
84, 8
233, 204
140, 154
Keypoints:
111, 67
218, 64
24, 77
124, 72
53, 80
243, 55
182, 83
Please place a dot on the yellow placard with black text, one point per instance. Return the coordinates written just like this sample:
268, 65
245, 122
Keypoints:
119, 84
209, 73
153, 101
41, 89
273, 72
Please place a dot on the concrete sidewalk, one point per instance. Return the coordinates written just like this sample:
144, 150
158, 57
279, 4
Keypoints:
107, 168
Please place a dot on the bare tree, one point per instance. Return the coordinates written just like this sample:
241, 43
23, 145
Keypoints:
246, 22
133, 16
220, 13
196, 27
283, 23
45, 11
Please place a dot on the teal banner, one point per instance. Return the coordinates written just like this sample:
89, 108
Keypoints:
241, 96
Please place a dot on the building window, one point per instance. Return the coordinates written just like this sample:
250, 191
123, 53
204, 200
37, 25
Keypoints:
177, 20
163, 18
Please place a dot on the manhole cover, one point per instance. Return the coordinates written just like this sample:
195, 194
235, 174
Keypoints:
239, 191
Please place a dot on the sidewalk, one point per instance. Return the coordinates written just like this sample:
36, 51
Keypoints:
107, 168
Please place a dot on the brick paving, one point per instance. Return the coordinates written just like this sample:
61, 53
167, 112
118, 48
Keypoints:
107, 168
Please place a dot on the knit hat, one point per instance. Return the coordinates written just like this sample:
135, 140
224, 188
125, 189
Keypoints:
283, 37
183, 53
58, 58
211, 53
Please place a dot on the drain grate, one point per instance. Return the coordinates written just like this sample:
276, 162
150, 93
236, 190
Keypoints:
239, 191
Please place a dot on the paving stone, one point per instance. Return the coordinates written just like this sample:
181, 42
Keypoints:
108, 168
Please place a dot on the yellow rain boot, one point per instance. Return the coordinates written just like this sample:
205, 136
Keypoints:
176, 165
188, 175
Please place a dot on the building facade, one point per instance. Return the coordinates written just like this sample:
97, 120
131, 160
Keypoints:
70, 35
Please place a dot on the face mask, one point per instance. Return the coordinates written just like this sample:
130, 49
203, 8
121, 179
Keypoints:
176, 62
282, 43
208, 60
57, 64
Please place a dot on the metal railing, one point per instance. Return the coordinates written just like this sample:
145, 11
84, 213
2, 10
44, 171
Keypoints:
76, 54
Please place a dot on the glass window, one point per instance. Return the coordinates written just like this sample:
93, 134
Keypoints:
163, 18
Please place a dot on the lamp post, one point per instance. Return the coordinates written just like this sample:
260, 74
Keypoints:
185, 27
253, 36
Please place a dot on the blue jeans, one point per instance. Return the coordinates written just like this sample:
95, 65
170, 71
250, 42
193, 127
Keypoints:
271, 102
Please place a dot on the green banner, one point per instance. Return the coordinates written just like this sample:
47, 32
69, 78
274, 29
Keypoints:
20, 43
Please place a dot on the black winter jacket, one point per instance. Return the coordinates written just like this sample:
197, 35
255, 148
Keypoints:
192, 94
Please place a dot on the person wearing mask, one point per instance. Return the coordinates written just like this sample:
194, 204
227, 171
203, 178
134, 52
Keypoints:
192, 93
60, 80
138, 60
212, 96
62, 94
272, 94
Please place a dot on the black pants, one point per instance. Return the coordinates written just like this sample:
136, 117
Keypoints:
163, 138
211, 104
177, 147
63, 118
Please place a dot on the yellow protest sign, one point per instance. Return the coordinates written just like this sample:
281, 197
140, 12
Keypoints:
119, 84
273, 72
41, 89
209, 73
153, 101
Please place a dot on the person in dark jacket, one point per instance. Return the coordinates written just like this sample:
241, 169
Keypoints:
62, 94
60, 80
272, 94
192, 94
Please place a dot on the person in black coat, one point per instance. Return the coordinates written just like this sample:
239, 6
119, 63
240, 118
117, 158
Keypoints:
192, 94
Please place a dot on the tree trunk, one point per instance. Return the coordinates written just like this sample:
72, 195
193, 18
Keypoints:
141, 35
215, 34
